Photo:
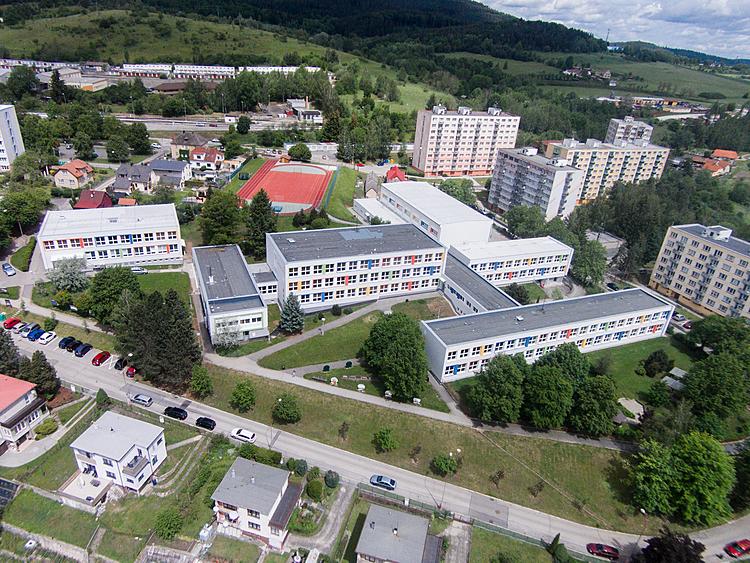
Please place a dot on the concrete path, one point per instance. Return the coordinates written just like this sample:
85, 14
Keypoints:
459, 549
192, 440
335, 517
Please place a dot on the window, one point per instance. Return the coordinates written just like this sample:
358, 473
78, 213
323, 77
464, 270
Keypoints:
148, 237
110, 475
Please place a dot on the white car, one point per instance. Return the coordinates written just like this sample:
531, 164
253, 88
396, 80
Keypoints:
242, 435
156, 146
141, 399
47, 337
138, 270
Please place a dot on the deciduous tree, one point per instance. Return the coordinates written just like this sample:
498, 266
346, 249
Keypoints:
107, 287
497, 395
548, 396
670, 547
220, 218
243, 396
717, 385
594, 406
69, 275
300, 152
286, 409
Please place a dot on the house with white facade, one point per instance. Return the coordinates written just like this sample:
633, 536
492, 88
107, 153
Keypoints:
11, 140
205, 162
21, 410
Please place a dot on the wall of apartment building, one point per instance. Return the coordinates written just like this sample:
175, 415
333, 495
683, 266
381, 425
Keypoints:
241, 325
621, 130
702, 275
534, 266
11, 140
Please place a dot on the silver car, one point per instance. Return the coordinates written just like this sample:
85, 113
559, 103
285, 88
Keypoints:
141, 399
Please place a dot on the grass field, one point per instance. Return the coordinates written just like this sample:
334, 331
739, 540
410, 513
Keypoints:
250, 168
343, 194
21, 258
536, 293
164, 281
486, 545
234, 551
67, 413
516, 68
14, 292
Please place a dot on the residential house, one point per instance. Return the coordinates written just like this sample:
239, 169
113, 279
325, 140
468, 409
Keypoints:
133, 177
74, 174
256, 500
173, 173
21, 410
183, 143
722, 154
93, 199
206, 162
372, 185
393, 536
395, 174
717, 167
123, 450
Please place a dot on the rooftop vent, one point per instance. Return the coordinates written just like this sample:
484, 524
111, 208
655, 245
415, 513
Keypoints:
291, 240
492, 110
439, 109
463, 110
529, 151
519, 318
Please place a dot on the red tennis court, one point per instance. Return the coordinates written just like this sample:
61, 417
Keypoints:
290, 186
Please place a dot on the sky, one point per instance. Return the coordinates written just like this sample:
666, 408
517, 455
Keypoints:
718, 27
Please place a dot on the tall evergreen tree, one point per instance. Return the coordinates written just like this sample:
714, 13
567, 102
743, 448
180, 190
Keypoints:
180, 351
9, 356
39, 371
57, 87
292, 318
260, 220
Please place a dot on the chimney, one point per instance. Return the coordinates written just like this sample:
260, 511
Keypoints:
211, 279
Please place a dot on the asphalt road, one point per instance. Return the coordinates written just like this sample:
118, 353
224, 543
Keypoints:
356, 468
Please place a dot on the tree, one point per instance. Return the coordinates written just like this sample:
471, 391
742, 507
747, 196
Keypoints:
331, 479
570, 360
548, 396
220, 218
395, 350
717, 385
292, 317
658, 394
83, 146
260, 220
168, 523
39, 371
243, 396
384, 440
594, 407
243, 125
138, 139
69, 275
300, 151
102, 399
200, 384
657, 362
9, 356
22, 81
106, 289
56, 87
180, 350
314, 490
117, 150
740, 497
651, 477
722, 334
670, 547
519, 293
524, 221
498, 391
589, 263
444, 465
459, 189
287, 410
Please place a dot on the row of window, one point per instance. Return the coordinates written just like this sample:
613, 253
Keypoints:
368, 264
26, 422
533, 273
233, 324
520, 262
362, 278
322, 296
85, 242
135, 251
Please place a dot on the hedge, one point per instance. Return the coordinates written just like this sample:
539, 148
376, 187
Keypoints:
21, 258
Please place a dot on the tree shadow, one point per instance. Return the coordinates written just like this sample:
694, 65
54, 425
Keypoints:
617, 476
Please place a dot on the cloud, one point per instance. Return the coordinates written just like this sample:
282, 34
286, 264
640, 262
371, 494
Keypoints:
721, 27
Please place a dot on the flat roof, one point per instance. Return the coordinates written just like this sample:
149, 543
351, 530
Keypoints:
733, 243
538, 160
74, 222
504, 249
437, 205
323, 244
377, 209
249, 484
591, 144
481, 290
492, 324
392, 535
225, 281
112, 435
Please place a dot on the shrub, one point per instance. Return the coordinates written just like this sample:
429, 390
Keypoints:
332, 479
336, 310
319, 223
21, 258
348, 310
314, 490
301, 467
443, 465
314, 472
291, 464
259, 454
287, 410
46, 428
168, 523
200, 382
384, 440
658, 394
243, 396
102, 399
247, 451
49, 323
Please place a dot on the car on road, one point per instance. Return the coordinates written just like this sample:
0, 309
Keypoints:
383, 482
72, 346
130, 373
138, 270
612, 286
83, 349
141, 399
35, 334
205, 422
28, 329
678, 318
8, 269
47, 337
156, 146
65, 341
121, 363
100, 358
176, 412
688, 325
11, 322
19, 327
603, 550
243, 435
737, 548
359, 165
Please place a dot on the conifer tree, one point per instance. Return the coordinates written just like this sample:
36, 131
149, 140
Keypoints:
261, 220
9, 356
292, 317
39, 371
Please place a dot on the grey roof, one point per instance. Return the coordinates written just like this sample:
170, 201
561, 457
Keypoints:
225, 282
264, 277
351, 241
136, 172
538, 160
492, 324
113, 435
733, 243
378, 539
253, 485
170, 179
481, 290
162, 165
189, 138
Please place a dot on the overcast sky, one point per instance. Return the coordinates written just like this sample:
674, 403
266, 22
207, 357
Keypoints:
718, 27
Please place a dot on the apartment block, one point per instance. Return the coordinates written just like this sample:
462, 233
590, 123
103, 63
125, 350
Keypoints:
705, 269
628, 130
439, 215
115, 236
462, 142
605, 164
21, 410
354, 264
460, 347
504, 262
468, 292
11, 141
523, 177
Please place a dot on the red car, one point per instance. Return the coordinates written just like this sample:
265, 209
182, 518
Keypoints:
10, 323
688, 325
737, 548
130, 372
100, 358
603, 550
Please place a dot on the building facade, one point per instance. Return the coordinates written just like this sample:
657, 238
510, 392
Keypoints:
205, 162
605, 164
354, 264
628, 130
74, 175
460, 347
11, 140
123, 450
462, 142
705, 269
21, 410
470, 293
523, 177
232, 306
116, 236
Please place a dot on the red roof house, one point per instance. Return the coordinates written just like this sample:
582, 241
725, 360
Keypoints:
93, 199
12, 389
724, 154
395, 174
127, 201
74, 174
717, 167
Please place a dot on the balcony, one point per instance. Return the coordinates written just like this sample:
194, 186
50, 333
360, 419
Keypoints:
135, 466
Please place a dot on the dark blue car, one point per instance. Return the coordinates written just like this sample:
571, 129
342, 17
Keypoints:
35, 334
83, 349
65, 341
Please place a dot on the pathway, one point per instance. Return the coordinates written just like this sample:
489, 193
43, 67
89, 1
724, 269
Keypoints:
335, 517
459, 535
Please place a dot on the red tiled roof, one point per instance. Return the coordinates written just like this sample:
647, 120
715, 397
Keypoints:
715, 165
212, 154
12, 389
127, 201
92, 199
77, 167
722, 153
395, 174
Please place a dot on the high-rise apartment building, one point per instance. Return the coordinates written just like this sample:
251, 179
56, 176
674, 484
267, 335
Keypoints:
462, 142
628, 130
605, 164
11, 141
523, 177
706, 269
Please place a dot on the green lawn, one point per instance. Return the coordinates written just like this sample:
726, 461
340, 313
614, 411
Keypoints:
250, 168
13, 292
191, 232
234, 551
41, 515
536, 293
516, 68
121, 547
68, 412
164, 281
486, 545
343, 194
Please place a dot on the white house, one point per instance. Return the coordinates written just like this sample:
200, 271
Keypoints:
123, 450
255, 500
11, 140
21, 410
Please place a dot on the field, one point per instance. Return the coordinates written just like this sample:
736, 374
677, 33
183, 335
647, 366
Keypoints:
250, 167
516, 68
234, 551
486, 545
340, 199
295, 183
164, 281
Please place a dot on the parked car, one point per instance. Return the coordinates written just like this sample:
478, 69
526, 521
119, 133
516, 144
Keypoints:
156, 146
47, 337
121, 362
130, 373
603, 550
83, 349
678, 318
19, 327
8, 269
243, 435
383, 482
359, 165
141, 399
737, 548
612, 286
138, 270
35, 334
28, 329
11, 322
688, 325
100, 358
65, 341
205, 422
176, 412
73, 345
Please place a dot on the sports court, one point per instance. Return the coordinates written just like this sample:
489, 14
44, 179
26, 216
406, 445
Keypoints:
291, 186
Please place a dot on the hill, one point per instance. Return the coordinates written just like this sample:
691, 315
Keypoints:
669, 54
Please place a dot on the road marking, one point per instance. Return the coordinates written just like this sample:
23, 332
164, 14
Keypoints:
273, 440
